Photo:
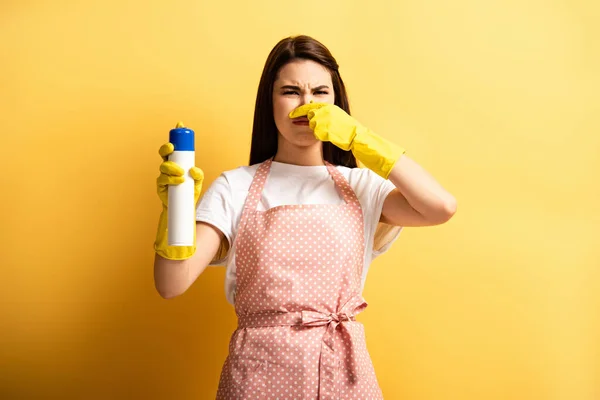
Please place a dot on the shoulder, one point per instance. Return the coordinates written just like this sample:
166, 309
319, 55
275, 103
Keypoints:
370, 188
235, 179
361, 178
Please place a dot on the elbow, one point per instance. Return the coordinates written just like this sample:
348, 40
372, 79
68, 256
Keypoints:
448, 209
168, 293
443, 212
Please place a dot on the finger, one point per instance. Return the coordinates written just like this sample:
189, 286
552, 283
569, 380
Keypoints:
171, 168
305, 108
165, 150
165, 180
197, 174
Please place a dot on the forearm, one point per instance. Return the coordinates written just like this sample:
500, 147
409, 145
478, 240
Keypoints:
173, 277
421, 190
418, 200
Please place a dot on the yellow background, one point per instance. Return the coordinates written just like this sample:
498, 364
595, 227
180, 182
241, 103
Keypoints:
497, 99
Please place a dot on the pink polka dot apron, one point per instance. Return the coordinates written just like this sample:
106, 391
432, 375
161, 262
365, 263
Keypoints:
299, 271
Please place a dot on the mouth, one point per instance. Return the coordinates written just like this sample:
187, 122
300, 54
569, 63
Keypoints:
300, 121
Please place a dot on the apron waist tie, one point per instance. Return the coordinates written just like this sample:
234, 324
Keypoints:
329, 360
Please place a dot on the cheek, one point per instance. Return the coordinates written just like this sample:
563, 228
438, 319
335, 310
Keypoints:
282, 108
280, 114
329, 99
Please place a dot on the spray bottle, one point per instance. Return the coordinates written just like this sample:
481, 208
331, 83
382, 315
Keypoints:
181, 209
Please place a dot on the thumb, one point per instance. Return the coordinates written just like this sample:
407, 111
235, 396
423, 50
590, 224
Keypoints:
165, 150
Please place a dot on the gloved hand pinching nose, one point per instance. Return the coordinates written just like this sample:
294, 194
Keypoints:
332, 124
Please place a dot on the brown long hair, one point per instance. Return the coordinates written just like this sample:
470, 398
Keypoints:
264, 130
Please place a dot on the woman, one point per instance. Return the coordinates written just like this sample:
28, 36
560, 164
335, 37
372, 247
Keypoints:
297, 230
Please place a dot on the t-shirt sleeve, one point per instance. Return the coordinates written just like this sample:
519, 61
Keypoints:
384, 235
216, 208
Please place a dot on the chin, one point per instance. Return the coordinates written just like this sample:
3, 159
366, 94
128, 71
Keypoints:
304, 140
308, 143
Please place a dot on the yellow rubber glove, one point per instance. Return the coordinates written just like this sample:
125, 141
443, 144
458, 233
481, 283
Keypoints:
172, 174
332, 124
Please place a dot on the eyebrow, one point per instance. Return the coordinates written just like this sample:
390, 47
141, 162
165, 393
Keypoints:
298, 87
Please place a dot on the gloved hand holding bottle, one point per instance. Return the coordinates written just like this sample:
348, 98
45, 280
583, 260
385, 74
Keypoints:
172, 174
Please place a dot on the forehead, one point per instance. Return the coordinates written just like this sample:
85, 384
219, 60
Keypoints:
304, 72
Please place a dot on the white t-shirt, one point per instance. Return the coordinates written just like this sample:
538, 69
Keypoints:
222, 204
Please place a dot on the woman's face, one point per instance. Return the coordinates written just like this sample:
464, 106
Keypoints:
299, 82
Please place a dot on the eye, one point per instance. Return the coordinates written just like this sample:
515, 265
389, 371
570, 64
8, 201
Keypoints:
323, 92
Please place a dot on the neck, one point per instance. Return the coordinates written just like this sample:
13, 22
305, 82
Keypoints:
289, 153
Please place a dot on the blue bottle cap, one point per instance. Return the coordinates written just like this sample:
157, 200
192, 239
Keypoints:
182, 138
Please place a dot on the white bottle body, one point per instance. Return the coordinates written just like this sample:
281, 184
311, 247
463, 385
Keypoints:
182, 208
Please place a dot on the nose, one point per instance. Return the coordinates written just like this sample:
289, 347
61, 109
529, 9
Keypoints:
306, 99
301, 104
